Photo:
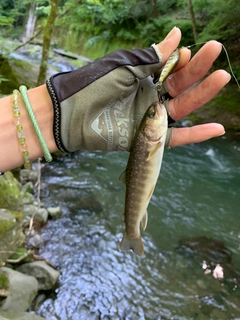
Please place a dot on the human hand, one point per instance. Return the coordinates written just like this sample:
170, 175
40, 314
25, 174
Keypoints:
185, 76
99, 106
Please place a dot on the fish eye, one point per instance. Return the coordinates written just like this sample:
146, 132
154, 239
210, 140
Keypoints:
152, 113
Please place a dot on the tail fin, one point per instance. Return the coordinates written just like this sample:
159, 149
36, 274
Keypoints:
135, 244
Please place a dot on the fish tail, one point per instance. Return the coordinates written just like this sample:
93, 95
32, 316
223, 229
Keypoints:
135, 244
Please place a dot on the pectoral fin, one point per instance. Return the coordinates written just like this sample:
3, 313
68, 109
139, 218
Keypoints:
154, 151
151, 192
144, 221
122, 177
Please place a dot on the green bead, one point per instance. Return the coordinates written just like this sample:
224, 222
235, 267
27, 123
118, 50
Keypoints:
16, 113
21, 140
27, 164
19, 127
25, 153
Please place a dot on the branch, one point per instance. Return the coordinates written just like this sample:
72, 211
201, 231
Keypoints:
39, 31
29, 40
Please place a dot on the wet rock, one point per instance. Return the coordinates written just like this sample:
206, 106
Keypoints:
54, 212
24, 174
29, 210
11, 235
91, 204
214, 257
23, 290
35, 241
46, 275
38, 214
28, 187
27, 198
41, 215
39, 301
28, 175
16, 315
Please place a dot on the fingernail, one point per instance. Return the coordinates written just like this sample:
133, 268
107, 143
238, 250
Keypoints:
171, 33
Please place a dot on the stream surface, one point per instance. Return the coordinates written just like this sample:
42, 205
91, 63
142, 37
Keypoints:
197, 196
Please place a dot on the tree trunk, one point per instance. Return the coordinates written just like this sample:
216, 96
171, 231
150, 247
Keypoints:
194, 29
47, 41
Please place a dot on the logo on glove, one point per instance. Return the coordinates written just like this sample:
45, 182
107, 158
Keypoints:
113, 125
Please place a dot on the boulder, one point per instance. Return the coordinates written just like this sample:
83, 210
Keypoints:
10, 192
45, 275
15, 315
11, 234
23, 290
41, 215
54, 212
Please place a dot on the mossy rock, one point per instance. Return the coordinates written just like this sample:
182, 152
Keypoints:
11, 234
10, 192
9, 219
7, 223
4, 285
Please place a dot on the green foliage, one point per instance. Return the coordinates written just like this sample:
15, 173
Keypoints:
10, 12
42, 11
20, 252
96, 27
4, 283
221, 20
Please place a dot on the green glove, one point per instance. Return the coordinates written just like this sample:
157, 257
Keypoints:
99, 106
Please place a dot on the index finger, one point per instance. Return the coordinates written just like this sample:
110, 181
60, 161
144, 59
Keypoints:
195, 70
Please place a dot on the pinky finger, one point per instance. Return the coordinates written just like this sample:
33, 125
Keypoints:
195, 134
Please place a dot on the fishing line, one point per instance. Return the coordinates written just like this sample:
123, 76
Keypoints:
228, 59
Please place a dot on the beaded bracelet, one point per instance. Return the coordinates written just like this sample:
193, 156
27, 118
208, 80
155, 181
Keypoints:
21, 137
36, 128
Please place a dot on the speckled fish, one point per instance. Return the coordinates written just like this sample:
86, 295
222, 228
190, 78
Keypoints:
141, 174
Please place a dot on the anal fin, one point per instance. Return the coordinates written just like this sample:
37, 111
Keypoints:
144, 221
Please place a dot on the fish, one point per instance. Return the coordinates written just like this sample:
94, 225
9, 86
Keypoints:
141, 174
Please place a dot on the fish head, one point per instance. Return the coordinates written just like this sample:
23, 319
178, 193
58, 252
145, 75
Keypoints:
154, 124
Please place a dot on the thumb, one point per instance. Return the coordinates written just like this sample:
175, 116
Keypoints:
169, 44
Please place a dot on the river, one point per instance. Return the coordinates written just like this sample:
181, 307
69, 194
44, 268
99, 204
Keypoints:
197, 197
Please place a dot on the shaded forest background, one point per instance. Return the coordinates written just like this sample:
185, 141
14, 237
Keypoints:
93, 28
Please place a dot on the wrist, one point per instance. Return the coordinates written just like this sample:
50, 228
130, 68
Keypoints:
43, 110
11, 157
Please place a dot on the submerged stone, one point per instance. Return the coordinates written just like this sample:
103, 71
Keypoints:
206, 249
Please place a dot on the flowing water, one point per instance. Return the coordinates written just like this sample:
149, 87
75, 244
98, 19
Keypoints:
197, 196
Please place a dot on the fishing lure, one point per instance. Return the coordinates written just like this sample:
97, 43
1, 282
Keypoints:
173, 61
168, 68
